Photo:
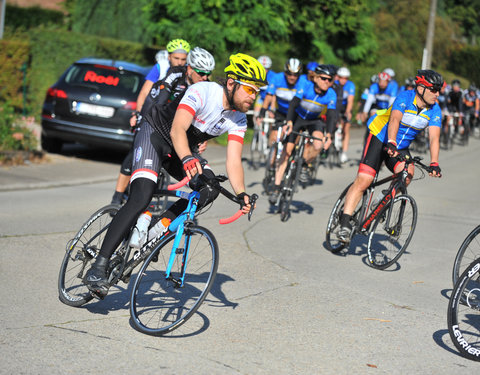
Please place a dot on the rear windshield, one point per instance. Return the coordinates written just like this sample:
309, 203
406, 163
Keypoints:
107, 80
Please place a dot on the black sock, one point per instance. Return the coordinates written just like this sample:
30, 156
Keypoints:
345, 220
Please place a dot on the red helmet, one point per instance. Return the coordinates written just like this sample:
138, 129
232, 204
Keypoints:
384, 76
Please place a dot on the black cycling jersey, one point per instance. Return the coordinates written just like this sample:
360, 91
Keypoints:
454, 101
163, 99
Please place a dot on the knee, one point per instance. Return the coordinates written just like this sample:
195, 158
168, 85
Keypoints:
141, 192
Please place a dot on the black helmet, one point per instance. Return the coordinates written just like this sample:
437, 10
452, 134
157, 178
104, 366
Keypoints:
456, 82
410, 81
328, 70
429, 78
472, 87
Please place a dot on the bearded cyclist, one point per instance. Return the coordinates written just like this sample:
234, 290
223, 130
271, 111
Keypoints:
166, 138
391, 132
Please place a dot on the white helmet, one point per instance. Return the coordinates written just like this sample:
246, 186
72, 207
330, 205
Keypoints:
161, 55
265, 61
293, 66
201, 59
390, 72
343, 72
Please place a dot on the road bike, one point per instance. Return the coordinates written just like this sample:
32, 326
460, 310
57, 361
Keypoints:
179, 266
259, 146
463, 314
292, 174
467, 253
388, 221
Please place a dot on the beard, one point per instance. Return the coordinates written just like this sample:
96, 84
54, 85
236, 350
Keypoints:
242, 105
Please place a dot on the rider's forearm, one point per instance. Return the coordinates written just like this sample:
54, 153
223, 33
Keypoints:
434, 138
234, 166
331, 120
292, 114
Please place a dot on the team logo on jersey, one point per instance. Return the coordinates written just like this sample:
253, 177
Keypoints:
192, 98
148, 162
154, 92
217, 129
138, 154
403, 105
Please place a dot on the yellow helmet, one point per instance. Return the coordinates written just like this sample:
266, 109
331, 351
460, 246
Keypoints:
178, 44
246, 68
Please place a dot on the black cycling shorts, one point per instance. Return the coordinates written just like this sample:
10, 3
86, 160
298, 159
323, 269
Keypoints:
374, 154
310, 125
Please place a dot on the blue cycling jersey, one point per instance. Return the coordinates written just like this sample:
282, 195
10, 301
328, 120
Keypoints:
312, 104
382, 97
263, 90
411, 123
158, 72
348, 89
284, 93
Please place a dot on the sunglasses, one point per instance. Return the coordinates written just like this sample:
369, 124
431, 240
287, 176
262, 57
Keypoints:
292, 74
433, 90
248, 88
329, 79
202, 73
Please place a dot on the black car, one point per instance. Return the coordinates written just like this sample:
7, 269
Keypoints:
92, 103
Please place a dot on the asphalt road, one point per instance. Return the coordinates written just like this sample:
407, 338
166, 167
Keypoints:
281, 304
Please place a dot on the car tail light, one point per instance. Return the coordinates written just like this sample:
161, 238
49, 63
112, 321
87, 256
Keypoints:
131, 106
56, 93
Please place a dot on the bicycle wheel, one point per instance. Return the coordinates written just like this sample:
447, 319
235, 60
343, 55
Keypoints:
81, 251
291, 182
388, 241
256, 149
467, 253
463, 317
333, 225
270, 168
159, 305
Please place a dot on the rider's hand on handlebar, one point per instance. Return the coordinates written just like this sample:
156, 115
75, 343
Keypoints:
391, 148
435, 170
192, 166
245, 206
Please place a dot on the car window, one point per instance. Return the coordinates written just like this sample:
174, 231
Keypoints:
106, 80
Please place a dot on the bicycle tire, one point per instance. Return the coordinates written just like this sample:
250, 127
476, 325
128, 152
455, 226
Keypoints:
80, 253
270, 168
333, 224
291, 182
159, 306
256, 149
463, 314
467, 253
384, 247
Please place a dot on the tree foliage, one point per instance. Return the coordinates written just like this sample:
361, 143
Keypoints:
466, 13
118, 19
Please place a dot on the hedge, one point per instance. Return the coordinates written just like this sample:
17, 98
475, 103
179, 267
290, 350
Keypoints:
14, 55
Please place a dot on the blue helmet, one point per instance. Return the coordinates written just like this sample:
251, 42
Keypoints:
312, 65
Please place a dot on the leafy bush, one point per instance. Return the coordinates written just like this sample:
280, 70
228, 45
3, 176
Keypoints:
27, 18
16, 133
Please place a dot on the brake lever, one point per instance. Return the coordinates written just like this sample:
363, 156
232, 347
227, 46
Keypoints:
253, 199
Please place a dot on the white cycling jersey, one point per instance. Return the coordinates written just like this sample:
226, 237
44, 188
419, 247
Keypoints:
204, 100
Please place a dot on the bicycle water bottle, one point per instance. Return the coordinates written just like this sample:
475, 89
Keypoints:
140, 232
159, 228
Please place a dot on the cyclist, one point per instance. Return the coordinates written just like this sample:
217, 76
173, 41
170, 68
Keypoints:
311, 100
391, 132
455, 106
393, 83
345, 110
266, 61
281, 90
166, 137
409, 84
363, 99
380, 95
176, 55
471, 105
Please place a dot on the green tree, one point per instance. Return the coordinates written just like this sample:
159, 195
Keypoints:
466, 13
118, 19
219, 25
